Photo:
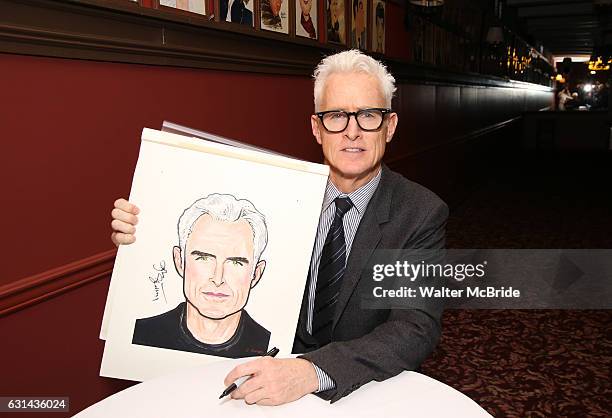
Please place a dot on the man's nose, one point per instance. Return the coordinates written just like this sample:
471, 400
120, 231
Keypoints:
353, 131
217, 276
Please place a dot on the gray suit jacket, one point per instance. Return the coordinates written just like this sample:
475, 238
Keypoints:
369, 344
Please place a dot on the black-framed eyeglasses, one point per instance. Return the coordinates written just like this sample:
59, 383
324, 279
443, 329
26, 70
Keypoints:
368, 120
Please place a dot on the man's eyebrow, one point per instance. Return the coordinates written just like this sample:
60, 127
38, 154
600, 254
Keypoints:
202, 254
241, 259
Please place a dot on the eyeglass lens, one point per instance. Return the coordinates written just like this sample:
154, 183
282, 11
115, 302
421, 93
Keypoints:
367, 119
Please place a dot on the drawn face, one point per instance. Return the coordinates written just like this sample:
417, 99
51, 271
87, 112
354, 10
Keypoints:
219, 271
305, 5
360, 18
380, 30
275, 6
334, 8
353, 154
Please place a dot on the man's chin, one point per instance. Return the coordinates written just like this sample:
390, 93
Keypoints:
355, 171
217, 315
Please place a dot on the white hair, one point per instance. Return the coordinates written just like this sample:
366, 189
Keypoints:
224, 207
352, 61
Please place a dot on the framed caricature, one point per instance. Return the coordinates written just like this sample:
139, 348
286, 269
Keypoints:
275, 15
359, 20
335, 21
306, 18
237, 11
193, 6
378, 26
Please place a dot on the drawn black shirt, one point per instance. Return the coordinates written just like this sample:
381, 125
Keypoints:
169, 330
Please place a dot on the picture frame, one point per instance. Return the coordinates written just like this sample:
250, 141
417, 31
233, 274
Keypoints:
306, 19
241, 12
359, 24
198, 7
378, 19
274, 15
335, 21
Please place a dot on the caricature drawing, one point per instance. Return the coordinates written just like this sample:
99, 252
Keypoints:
271, 14
218, 257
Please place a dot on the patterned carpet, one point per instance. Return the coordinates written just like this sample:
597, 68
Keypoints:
533, 363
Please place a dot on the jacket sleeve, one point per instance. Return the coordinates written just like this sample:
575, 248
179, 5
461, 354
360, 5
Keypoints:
400, 343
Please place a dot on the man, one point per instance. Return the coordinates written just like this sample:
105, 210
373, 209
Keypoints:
221, 240
366, 207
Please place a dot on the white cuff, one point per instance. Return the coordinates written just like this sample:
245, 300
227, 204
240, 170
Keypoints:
325, 382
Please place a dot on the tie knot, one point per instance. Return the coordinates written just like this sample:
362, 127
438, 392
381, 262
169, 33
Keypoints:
343, 205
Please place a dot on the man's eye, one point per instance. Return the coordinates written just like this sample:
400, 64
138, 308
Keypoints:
237, 262
203, 257
337, 115
366, 114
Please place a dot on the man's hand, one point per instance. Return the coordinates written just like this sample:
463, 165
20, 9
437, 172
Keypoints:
274, 381
124, 222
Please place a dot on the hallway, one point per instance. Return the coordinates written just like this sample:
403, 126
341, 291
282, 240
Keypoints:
532, 363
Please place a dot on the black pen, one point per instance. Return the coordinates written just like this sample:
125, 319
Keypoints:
241, 380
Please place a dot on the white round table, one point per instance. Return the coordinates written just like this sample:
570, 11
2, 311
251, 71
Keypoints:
195, 393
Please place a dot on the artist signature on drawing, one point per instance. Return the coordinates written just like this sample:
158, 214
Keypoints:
157, 278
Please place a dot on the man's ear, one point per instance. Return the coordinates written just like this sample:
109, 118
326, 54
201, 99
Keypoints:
178, 261
259, 270
314, 123
391, 125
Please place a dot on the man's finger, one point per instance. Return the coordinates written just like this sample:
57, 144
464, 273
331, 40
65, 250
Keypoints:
244, 369
124, 216
268, 402
126, 206
120, 226
250, 385
255, 397
122, 239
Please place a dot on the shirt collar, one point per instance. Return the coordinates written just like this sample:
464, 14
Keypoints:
360, 197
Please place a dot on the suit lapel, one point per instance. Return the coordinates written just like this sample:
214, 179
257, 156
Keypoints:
366, 239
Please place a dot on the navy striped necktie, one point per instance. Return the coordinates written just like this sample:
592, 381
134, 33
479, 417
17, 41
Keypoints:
329, 278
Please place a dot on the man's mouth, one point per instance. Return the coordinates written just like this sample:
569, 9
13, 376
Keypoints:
215, 294
353, 149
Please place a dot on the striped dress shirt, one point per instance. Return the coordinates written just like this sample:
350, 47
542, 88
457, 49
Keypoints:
360, 199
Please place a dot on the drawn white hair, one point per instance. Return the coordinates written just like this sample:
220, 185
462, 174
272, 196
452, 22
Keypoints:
352, 61
224, 207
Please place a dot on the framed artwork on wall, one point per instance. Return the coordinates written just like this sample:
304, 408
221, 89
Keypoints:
193, 6
275, 15
378, 26
237, 11
306, 18
335, 21
359, 20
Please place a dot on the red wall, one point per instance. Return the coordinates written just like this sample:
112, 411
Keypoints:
71, 132
52, 349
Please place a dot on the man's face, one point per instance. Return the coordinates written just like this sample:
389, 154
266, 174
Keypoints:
275, 6
219, 272
353, 154
305, 5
